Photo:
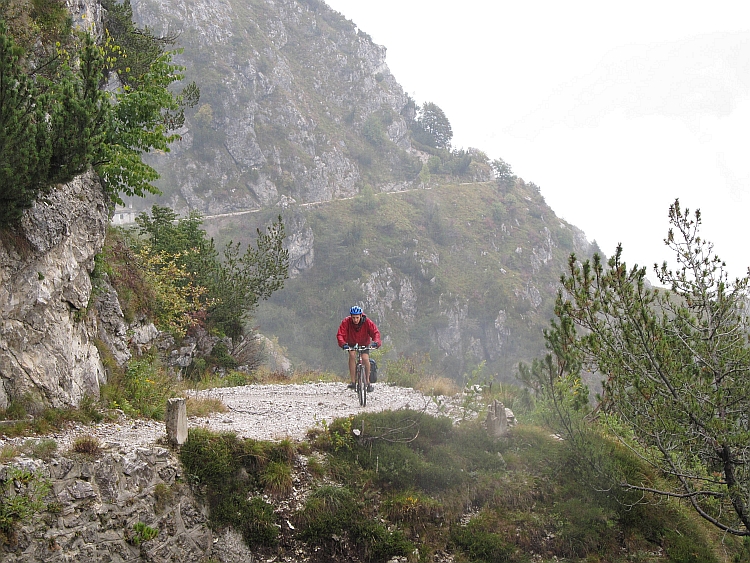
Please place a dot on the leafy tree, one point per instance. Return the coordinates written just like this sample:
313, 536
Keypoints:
502, 171
458, 162
234, 282
373, 131
135, 124
241, 281
169, 233
20, 173
432, 127
55, 121
132, 52
37, 26
676, 368
22, 496
139, 46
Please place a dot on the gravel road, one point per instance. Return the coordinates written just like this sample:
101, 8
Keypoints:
262, 412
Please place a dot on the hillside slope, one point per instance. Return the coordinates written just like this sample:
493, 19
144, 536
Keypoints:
465, 273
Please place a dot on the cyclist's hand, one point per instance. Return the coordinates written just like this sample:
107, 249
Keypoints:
374, 345
345, 347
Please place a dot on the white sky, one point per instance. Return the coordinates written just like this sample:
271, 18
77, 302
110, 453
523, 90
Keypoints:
614, 110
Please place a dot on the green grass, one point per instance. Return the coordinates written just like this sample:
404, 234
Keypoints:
26, 417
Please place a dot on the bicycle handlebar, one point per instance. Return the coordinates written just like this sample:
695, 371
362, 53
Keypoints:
358, 347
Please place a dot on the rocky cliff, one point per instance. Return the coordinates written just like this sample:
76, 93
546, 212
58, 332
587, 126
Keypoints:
298, 107
47, 349
295, 103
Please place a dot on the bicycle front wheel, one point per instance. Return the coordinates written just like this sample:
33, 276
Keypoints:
361, 385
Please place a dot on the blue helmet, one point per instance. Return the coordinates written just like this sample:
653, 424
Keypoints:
355, 310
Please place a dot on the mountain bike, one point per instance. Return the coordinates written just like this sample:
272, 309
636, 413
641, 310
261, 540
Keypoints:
360, 375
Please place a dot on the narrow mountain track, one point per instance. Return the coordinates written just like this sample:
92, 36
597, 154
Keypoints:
262, 412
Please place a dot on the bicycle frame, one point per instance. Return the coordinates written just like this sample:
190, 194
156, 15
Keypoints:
361, 374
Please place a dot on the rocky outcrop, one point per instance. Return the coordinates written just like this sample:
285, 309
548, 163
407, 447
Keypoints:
288, 92
499, 419
300, 244
386, 291
99, 508
47, 352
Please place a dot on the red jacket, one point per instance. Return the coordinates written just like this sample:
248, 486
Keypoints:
351, 334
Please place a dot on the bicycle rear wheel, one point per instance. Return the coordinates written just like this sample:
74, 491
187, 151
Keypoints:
361, 385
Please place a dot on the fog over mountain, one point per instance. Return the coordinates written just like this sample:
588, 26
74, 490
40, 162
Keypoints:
600, 105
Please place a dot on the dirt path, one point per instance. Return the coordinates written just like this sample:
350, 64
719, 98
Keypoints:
263, 412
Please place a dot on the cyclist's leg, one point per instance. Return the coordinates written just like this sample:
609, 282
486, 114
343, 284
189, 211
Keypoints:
352, 366
366, 362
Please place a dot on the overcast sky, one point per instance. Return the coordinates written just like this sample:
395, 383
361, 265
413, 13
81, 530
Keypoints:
614, 110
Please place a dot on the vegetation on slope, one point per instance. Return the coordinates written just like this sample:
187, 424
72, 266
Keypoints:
56, 120
675, 364
465, 273
408, 484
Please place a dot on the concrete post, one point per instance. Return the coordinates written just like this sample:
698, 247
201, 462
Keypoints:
176, 421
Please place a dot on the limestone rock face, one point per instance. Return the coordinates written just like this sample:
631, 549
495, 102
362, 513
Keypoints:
46, 348
298, 84
300, 244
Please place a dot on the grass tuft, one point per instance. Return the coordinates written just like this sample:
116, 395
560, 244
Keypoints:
204, 406
41, 449
277, 478
87, 445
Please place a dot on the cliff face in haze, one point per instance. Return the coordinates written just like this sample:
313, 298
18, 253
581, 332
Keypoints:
295, 102
298, 107
463, 273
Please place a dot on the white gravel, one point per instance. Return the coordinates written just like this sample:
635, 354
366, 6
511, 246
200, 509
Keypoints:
263, 412
273, 412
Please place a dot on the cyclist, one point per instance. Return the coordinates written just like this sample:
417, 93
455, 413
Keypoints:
358, 329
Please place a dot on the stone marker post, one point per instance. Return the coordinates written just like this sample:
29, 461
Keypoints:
497, 420
176, 421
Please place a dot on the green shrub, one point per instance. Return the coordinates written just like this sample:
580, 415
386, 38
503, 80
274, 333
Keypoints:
481, 546
8, 452
413, 508
163, 495
87, 445
331, 511
209, 458
374, 132
328, 510
687, 548
221, 357
41, 449
21, 497
142, 533
226, 471
404, 450
376, 542
407, 371
254, 518
584, 527
146, 388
